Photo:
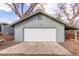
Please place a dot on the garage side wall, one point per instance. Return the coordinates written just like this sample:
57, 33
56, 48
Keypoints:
39, 20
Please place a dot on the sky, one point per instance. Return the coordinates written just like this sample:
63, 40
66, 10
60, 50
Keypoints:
8, 16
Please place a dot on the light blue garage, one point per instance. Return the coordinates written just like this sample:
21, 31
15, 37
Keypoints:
40, 26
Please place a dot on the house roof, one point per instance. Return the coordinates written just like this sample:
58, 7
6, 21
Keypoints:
3, 23
67, 27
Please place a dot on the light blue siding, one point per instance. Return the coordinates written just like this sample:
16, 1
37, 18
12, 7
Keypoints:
39, 20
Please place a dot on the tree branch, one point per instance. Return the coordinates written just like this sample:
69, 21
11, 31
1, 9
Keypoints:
14, 8
30, 9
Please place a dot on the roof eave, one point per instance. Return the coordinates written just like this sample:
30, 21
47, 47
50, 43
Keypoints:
66, 26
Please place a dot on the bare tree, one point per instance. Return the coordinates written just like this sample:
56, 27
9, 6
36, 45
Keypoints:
71, 12
22, 13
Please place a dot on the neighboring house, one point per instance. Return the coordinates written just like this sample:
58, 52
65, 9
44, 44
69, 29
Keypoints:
40, 26
5, 29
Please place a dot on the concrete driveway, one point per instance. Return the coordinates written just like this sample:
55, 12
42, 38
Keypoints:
36, 48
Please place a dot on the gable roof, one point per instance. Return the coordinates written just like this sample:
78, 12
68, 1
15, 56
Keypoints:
4, 23
44, 13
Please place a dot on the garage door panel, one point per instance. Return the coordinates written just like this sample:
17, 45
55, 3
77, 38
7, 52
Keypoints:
39, 34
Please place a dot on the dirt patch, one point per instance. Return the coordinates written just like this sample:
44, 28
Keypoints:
7, 44
72, 46
7, 37
6, 41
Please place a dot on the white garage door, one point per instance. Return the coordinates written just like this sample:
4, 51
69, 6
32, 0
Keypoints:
39, 34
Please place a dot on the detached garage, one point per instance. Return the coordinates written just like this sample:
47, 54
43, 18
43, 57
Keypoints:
39, 26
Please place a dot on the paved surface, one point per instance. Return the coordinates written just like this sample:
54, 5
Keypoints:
36, 48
